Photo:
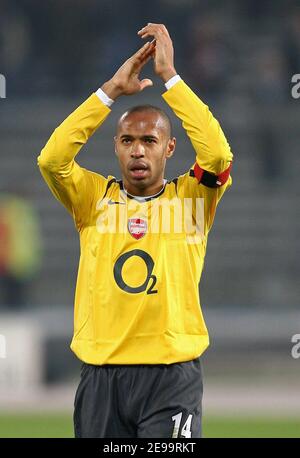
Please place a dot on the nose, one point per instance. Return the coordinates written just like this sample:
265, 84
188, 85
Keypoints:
137, 151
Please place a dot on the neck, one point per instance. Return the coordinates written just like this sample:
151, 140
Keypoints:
143, 192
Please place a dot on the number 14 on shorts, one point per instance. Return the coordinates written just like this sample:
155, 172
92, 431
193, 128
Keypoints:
186, 428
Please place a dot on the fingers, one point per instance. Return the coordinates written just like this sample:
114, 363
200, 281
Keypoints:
145, 83
143, 55
138, 65
154, 30
145, 51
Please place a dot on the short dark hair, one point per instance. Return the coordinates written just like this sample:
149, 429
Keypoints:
150, 109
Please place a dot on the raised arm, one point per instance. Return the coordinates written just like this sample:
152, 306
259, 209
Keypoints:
74, 186
213, 153
71, 184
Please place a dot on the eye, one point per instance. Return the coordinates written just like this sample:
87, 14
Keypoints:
150, 140
126, 141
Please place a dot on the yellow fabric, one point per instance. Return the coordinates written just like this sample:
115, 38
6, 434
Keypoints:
145, 309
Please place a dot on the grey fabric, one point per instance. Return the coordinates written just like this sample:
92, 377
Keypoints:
139, 400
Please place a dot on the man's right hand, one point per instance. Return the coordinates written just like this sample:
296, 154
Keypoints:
126, 80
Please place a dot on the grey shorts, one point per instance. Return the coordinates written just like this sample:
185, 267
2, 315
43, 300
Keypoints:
150, 401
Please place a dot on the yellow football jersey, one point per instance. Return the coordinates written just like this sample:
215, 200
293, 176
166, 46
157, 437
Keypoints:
141, 260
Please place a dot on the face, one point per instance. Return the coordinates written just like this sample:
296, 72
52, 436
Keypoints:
143, 145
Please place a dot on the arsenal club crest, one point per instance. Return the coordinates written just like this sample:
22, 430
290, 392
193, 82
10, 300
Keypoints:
137, 227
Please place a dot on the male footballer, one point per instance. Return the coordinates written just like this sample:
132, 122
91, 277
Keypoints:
138, 325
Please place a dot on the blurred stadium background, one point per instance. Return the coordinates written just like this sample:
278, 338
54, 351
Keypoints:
239, 56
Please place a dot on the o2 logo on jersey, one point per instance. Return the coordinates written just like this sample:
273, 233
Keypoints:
150, 280
137, 227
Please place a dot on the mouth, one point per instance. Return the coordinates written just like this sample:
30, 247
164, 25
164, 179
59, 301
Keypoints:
139, 170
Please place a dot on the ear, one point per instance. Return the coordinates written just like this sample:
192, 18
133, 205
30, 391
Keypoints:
171, 147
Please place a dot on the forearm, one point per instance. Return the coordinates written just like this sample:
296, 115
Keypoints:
66, 141
213, 152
